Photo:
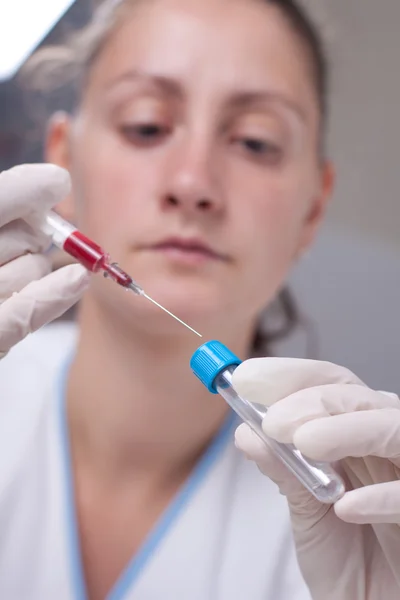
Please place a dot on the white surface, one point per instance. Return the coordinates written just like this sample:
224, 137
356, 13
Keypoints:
23, 25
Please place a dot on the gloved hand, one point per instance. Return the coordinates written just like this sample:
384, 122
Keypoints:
29, 297
350, 551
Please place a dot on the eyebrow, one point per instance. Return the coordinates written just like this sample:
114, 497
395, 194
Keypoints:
241, 99
244, 99
167, 84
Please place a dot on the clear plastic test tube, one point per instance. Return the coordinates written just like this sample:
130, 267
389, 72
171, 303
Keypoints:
213, 363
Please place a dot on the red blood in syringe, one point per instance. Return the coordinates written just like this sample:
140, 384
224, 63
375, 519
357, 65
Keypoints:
93, 257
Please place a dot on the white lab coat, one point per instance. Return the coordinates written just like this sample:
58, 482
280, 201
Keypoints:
226, 536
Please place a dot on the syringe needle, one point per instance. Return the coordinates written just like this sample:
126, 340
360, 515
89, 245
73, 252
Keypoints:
172, 315
137, 289
66, 237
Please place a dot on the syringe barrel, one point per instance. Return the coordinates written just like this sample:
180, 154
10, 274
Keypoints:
67, 237
89, 254
320, 479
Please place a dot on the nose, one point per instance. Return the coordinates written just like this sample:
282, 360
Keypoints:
192, 182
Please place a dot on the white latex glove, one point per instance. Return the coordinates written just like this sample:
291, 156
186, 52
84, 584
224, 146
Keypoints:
30, 297
350, 551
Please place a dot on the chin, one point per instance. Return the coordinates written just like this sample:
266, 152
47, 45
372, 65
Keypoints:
193, 307
198, 303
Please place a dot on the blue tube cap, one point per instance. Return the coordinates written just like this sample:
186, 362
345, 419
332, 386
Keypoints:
210, 360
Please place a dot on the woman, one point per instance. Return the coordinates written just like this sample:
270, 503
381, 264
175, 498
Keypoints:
195, 150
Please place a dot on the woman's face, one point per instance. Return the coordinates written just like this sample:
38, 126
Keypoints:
194, 157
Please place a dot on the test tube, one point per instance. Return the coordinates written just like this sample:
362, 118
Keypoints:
213, 363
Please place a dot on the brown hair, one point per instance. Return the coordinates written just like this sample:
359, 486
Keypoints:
61, 71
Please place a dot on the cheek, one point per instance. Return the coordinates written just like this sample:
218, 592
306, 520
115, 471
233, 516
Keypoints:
270, 230
114, 189
274, 218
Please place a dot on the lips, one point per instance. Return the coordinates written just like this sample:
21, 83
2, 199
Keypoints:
189, 247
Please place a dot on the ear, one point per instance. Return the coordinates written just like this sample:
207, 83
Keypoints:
318, 208
57, 151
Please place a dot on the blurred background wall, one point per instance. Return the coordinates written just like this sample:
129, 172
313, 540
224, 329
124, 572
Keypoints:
350, 282
349, 285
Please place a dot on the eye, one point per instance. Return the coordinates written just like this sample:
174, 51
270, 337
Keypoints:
262, 149
144, 134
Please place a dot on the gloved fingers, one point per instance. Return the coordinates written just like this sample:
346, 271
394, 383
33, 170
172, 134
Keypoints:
287, 415
29, 190
267, 380
390, 394
256, 450
270, 465
355, 434
40, 302
15, 275
18, 238
379, 503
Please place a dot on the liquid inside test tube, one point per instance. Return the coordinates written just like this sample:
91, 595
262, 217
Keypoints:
214, 365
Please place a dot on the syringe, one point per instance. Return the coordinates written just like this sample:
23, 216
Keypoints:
67, 237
